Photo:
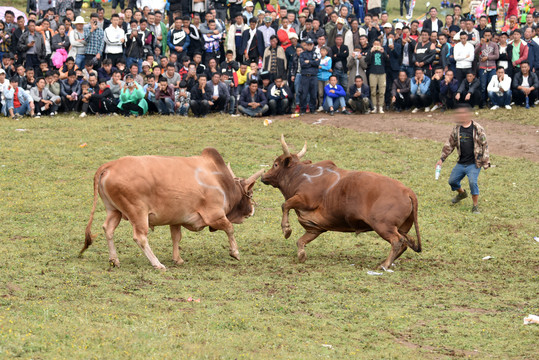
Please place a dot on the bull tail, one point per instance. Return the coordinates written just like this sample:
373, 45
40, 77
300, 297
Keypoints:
89, 238
414, 245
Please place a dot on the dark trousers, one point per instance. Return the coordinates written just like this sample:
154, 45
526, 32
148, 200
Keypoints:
69, 106
234, 9
309, 87
131, 106
200, 108
404, 102
435, 91
32, 62
520, 99
278, 107
219, 104
115, 58
448, 100
460, 74
420, 101
475, 99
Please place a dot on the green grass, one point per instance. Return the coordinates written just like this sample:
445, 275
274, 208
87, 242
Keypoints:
442, 303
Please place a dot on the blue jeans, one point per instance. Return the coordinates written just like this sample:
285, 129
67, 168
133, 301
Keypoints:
484, 77
410, 70
459, 172
132, 60
498, 100
165, 106
330, 102
79, 61
297, 85
342, 78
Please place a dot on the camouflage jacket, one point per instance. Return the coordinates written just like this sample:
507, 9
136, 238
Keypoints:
480, 145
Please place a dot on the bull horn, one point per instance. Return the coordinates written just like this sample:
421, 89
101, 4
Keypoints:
255, 176
303, 151
230, 169
285, 147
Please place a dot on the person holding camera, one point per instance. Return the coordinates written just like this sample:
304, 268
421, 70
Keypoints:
95, 41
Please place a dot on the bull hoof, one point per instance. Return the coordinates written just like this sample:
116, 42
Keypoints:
302, 256
287, 231
178, 261
160, 267
235, 254
114, 263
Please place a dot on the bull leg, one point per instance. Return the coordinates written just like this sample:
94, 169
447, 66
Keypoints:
226, 226
140, 235
397, 247
176, 234
293, 203
111, 223
304, 240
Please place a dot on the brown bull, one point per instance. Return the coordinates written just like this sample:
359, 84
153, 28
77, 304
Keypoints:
327, 198
192, 192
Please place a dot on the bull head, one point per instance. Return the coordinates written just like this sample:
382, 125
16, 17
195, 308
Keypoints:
244, 208
276, 175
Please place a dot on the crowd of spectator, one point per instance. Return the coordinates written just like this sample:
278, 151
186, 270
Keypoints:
198, 57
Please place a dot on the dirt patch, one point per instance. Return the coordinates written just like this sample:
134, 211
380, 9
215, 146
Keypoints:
449, 352
473, 310
504, 138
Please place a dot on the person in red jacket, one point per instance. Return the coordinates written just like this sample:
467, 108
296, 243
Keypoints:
520, 55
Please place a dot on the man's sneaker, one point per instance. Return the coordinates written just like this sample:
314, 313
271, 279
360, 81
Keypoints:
427, 109
459, 197
381, 110
435, 107
536, 102
320, 109
53, 113
374, 111
82, 114
331, 112
347, 112
508, 107
37, 116
475, 210
495, 107
415, 110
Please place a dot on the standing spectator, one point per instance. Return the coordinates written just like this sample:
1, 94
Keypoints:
212, 42
469, 91
165, 98
324, 72
78, 44
309, 63
357, 63
425, 52
525, 85
200, 7
408, 46
499, 90
471, 142
267, 31
488, 54
519, 51
178, 39
114, 40
533, 49
60, 40
253, 102
274, 59
433, 23
218, 92
400, 92
133, 47
45, 101
464, 54
252, 43
420, 91
200, 97
393, 49
94, 37
377, 75
132, 98
279, 97
32, 46
448, 90
235, 38
340, 53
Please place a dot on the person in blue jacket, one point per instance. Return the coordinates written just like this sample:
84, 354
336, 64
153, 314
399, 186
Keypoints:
420, 91
334, 96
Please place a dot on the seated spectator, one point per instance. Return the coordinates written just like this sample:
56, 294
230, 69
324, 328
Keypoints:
106, 70
45, 101
228, 78
132, 98
86, 91
279, 97
164, 97
183, 99
360, 95
173, 78
400, 92
525, 85
499, 90
469, 91
101, 101
420, 91
17, 101
200, 98
448, 90
218, 93
70, 92
115, 85
88, 70
134, 72
51, 82
334, 95
68, 65
150, 91
435, 82
253, 102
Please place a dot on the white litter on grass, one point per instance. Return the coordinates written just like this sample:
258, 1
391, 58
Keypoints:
374, 273
488, 257
531, 319
327, 346
536, 238
21, 130
319, 121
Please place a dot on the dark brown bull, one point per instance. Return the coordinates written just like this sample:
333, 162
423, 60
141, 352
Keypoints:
192, 192
327, 198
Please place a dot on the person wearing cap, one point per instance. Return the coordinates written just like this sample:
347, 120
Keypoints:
267, 31
248, 11
309, 62
78, 44
339, 29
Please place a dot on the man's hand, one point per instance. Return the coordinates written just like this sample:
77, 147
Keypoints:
457, 97
306, 61
98, 56
332, 91
439, 163
69, 97
468, 96
210, 102
393, 99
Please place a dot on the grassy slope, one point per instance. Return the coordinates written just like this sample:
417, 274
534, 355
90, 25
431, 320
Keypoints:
447, 300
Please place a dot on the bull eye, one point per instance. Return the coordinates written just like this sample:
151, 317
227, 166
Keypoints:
275, 165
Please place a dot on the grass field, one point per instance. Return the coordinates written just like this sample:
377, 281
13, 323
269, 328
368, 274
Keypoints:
445, 302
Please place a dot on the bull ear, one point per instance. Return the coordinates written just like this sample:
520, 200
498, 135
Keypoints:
287, 161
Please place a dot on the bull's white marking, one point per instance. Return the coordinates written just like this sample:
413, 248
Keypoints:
201, 183
320, 172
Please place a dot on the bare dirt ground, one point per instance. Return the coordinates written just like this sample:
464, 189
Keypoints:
504, 138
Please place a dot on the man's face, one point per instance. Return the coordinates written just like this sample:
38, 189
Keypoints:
107, 67
483, 22
20, 22
439, 73
114, 21
212, 26
368, 20
158, 18
41, 84
334, 17
433, 13
93, 81
20, 71
500, 73
278, 82
449, 20
170, 71
102, 86
9, 18
516, 36
414, 27
419, 74
463, 38
384, 18
151, 19
449, 76
143, 26
243, 68
79, 27
470, 77
2, 77
433, 37
487, 36
525, 68
31, 27
363, 41
442, 39
456, 11
358, 82
116, 77
215, 79
424, 36
321, 41
162, 84
333, 81
134, 70
177, 24
528, 33
402, 76
253, 87
338, 40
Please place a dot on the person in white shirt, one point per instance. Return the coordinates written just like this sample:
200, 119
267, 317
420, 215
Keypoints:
499, 90
114, 39
463, 53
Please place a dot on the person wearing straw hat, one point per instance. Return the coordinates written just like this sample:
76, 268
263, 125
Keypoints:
78, 44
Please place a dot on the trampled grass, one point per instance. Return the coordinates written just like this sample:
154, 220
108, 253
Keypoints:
445, 302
